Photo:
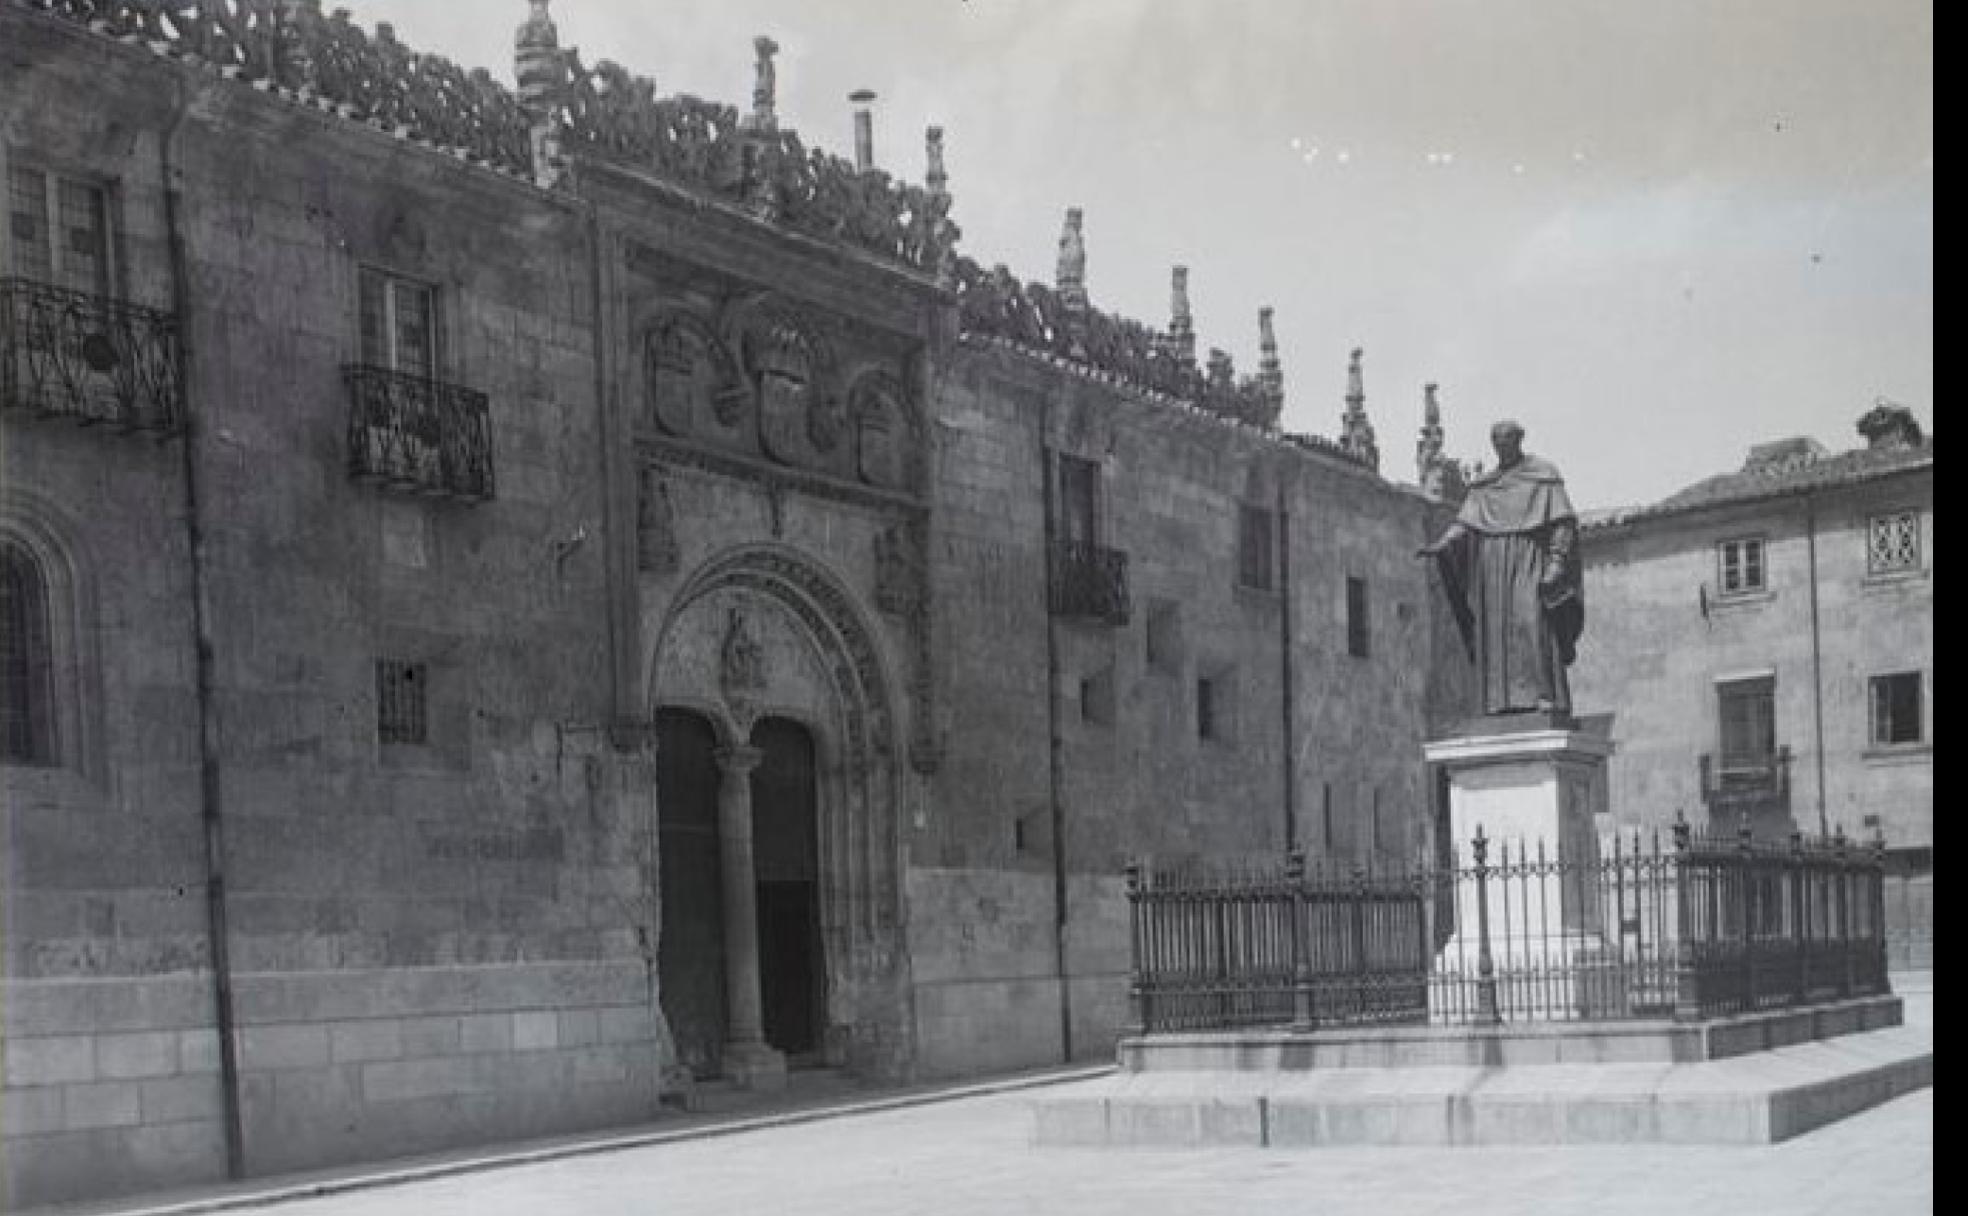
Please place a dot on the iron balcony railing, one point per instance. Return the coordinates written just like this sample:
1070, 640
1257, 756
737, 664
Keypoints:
418, 435
89, 358
1734, 784
1089, 582
1704, 927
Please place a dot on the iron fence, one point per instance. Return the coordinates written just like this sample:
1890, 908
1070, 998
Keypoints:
420, 435
89, 358
1625, 928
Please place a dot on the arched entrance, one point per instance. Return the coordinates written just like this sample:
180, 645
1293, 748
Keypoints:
776, 657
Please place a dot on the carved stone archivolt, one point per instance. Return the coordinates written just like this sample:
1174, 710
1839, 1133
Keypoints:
762, 630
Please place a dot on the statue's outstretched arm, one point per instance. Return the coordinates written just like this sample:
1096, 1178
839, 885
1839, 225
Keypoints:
1454, 533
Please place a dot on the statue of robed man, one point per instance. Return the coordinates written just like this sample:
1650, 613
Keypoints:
1510, 566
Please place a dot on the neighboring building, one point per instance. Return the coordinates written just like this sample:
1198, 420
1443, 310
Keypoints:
1764, 643
558, 595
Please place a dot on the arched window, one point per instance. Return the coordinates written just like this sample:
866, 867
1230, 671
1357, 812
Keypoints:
27, 717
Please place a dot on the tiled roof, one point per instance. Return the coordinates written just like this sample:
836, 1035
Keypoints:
1774, 478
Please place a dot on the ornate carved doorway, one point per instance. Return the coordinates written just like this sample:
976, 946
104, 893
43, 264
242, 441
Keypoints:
690, 955
786, 848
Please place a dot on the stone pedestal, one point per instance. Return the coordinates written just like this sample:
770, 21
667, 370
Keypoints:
1531, 791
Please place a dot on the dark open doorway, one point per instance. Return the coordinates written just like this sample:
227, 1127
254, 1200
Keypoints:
690, 959
785, 813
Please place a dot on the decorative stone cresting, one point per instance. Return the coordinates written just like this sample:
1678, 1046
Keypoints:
995, 304
562, 106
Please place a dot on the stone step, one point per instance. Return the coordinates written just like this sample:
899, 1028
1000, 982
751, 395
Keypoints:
1760, 1098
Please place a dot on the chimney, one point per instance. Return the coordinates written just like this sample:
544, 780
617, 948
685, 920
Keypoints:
864, 129
1889, 425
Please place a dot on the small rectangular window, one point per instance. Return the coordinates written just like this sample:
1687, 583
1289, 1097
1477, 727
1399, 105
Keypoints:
1164, 636
1742, 565
1896, 709
401, 700
399, 324
1357, 631
1255, 547
1097, 698
1893, 543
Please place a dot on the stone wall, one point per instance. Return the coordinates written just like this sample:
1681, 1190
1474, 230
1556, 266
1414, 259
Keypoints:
430, 944
456, 942
1134, 776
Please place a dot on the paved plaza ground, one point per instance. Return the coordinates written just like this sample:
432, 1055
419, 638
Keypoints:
972, 1156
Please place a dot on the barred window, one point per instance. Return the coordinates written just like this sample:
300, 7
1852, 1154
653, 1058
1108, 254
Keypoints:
1742, 565
399, 324
58, 230
1896, 708
1893, 543
26, 684
400, 702
1255, 547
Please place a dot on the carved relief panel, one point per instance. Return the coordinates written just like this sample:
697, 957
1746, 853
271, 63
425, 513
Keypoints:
887, 437
692, 387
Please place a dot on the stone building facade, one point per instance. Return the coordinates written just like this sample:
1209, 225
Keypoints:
520, 602
1764, 642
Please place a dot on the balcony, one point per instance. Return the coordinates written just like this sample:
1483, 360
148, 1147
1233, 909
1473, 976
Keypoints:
1732, 785
1089, 582
89, 359
417, 435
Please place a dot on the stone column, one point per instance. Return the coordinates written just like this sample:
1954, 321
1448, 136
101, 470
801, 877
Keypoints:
748, 1059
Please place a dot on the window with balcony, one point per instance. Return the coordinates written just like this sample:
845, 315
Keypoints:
1896, 709
1088, 579
1893, 543
408, 429
1749, 770
1742, 570
1256, 548
70, 347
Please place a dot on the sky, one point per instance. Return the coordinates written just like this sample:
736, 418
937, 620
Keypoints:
1652, 233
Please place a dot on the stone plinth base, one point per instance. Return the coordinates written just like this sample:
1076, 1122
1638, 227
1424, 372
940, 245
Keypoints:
1508, 1045
1531, 794
1253, 1091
